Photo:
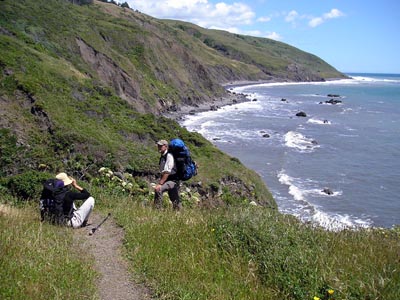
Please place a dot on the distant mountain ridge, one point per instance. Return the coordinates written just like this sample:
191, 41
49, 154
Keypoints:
82, 86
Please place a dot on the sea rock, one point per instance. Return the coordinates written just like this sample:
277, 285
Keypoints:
301, 114
266, 135
333, 95
327, 191
333, 101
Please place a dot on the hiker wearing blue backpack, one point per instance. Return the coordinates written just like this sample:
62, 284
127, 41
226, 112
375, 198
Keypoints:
168, 181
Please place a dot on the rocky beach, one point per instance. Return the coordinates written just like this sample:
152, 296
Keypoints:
230, 98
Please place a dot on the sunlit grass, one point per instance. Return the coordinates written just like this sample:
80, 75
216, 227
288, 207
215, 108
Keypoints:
255, 253
231, 253
40, 261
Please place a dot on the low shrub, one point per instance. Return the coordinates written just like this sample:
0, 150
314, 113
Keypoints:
27, 185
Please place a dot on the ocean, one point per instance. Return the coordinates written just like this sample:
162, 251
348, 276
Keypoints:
339, 166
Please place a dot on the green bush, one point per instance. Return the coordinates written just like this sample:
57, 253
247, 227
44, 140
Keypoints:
27, 185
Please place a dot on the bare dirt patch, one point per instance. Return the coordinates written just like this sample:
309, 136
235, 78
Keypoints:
105, 246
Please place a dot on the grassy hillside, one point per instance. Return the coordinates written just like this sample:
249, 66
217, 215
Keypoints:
274, 59
241, 253
84, 87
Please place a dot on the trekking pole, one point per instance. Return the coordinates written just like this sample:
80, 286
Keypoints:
97, 227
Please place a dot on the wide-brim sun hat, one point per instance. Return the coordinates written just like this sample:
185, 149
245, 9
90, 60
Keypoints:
64, 178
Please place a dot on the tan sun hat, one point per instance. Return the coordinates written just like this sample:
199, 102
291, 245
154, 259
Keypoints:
162, 142
65, 178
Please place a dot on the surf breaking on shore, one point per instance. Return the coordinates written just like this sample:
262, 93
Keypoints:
294, 136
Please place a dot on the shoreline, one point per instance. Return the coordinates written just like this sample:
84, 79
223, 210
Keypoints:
231, 98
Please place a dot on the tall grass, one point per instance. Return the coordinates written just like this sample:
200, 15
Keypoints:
255, 253
40, 261
241, 252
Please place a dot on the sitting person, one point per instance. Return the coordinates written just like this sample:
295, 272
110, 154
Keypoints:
76, 217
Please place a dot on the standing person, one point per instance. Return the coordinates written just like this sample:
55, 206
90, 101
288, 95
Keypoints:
80, 216
168, 182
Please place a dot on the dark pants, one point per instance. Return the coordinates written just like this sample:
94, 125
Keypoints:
172, 188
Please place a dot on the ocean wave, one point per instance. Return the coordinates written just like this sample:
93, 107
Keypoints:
353, 80
307, 212
337, 222
317, 121
299, 142
242, 89
372, 79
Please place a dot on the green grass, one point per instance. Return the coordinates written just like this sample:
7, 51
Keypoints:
241, 252
255, 253
40, 261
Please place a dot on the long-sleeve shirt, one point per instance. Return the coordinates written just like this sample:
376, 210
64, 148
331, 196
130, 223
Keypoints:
70, 197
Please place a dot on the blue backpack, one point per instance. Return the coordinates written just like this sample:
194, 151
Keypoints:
186, 168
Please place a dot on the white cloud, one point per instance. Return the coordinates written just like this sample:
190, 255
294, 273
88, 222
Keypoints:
263, 19
292, 16
333, 14
200, 12
314, 22
274, 36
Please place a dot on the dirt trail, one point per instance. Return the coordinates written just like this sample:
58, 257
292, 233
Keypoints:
114, 282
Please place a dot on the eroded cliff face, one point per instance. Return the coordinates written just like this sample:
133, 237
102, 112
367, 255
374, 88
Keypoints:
156, 67
114, 76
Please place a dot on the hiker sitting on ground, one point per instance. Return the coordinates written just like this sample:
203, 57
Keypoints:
168, 182
79, 216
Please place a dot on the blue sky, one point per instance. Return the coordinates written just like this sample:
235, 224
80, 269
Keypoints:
351, 35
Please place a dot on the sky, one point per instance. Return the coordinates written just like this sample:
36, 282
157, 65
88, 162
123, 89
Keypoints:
351, 35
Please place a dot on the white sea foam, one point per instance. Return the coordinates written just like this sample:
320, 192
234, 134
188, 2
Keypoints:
337, 222
308, 212
296, 192
317, 121
299, 142
242, 89
371, 79
355, 80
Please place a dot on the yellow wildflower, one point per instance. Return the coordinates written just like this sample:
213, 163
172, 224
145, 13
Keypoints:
330, 292
316, 298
